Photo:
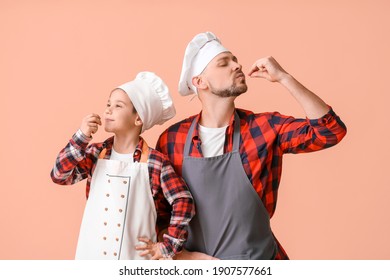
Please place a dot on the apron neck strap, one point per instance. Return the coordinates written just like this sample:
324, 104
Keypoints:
187, 145
236, 135
144, 155
145, 152
236, 132
103, 153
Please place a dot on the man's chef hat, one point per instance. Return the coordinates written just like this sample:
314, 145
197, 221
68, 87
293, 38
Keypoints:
151, 98
199, 52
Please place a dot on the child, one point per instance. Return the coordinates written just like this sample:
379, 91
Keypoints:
130, 186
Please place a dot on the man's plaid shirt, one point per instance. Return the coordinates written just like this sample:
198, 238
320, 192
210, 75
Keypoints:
265, 137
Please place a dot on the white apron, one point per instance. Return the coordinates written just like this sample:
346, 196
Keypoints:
119, 209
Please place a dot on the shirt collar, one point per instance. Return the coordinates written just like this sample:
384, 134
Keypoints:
138, 150
108, 143
229, 133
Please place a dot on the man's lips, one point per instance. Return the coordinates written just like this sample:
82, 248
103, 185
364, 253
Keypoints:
240, 75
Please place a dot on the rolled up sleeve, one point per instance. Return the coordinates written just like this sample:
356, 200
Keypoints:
309, 135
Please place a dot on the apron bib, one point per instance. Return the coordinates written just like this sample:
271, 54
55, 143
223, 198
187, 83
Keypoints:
119, 209
231, 221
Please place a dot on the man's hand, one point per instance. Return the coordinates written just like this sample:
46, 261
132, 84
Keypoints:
186, 255
90, 124
267, 68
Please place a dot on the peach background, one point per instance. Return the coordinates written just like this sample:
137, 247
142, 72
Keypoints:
60, 59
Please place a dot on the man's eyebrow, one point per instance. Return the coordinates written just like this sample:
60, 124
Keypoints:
223, 58
234, 58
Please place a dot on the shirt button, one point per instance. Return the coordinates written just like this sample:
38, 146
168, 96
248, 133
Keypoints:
105, 223
109, 180
104, 253
120, 210
115, 254
117, 239
104, 238
119, 225
122, 196
105, 209
108, 195
124, 182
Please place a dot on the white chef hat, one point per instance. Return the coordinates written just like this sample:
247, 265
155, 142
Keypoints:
199, 52
151, 98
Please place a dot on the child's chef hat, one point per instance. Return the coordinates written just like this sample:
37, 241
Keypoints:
151, 98
199, 52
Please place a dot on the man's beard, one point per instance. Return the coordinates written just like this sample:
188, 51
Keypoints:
232, 91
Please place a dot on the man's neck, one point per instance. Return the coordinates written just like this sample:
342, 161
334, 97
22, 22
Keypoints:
217, 112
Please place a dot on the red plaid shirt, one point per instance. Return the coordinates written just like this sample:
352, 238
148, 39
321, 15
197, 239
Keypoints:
265, 137
172, 199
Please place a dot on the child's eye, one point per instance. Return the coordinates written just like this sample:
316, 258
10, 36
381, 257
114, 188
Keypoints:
118, 106
108, 104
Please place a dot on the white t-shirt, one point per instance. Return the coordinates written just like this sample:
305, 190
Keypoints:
213, 140
122, 157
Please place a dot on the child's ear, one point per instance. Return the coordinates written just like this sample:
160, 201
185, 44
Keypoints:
199, 82
138, 121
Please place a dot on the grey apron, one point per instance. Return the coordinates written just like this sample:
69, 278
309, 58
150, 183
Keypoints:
231, 221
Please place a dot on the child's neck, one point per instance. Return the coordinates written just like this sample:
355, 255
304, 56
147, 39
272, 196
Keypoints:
125, 143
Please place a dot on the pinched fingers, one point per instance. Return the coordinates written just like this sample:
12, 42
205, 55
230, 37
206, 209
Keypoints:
93, 118
258, 68
90, 124
267, 68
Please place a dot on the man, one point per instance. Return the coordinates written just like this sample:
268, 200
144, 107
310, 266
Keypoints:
231, 158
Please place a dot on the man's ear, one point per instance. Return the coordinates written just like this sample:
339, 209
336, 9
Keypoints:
138, 121
199, 83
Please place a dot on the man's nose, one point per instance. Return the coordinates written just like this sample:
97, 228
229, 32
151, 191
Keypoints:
236, 66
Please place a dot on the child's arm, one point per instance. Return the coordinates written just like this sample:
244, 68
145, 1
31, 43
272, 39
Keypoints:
179, 197
75, 161
176, 202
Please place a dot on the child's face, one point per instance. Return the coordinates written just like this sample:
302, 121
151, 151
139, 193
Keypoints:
119, 115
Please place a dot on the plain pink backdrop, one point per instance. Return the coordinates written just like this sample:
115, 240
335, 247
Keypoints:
60, 59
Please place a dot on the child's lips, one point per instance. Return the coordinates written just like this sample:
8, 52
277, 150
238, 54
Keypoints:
109, 120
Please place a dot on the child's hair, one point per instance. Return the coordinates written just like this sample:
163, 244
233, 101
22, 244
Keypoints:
134, 110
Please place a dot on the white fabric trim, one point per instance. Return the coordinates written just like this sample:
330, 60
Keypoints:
213, 140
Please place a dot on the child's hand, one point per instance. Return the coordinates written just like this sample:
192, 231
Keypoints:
150, 248
90, 123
